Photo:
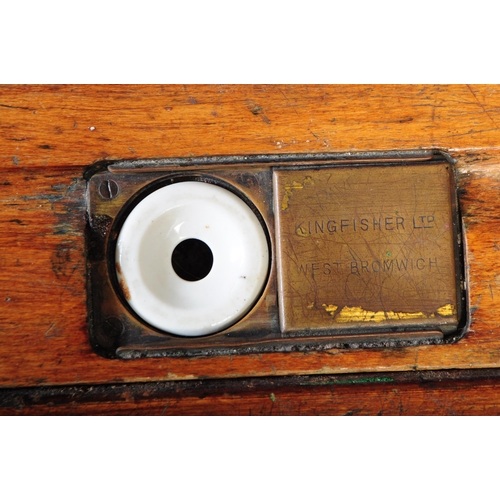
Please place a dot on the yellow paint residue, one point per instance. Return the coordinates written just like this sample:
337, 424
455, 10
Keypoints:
290, 188
348, 314
301, 232
401, 315
310, 305
447, 310
330, 309
358, 314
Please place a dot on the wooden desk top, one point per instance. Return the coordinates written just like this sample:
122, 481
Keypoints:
49, 135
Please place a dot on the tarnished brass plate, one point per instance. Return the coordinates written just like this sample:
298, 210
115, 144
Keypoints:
367, 248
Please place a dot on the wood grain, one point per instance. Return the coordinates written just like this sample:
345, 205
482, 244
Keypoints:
356, 395
60, 126
46, 143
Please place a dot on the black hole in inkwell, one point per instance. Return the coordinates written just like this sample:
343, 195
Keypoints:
192, 259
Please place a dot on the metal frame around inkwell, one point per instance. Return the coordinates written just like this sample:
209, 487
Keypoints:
114, 188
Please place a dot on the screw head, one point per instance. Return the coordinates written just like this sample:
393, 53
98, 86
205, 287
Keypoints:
108, 189
108, 335
113, 326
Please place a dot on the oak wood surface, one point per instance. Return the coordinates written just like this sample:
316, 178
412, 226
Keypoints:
49, 135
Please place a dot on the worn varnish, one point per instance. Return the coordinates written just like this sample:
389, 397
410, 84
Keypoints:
57, 126
49, 135
431, 393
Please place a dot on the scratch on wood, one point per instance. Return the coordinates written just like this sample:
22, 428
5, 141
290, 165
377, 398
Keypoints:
481, 105
287, 100
15, 107
256, 110
46, 334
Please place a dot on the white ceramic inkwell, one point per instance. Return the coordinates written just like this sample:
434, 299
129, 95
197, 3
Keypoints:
193, 258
